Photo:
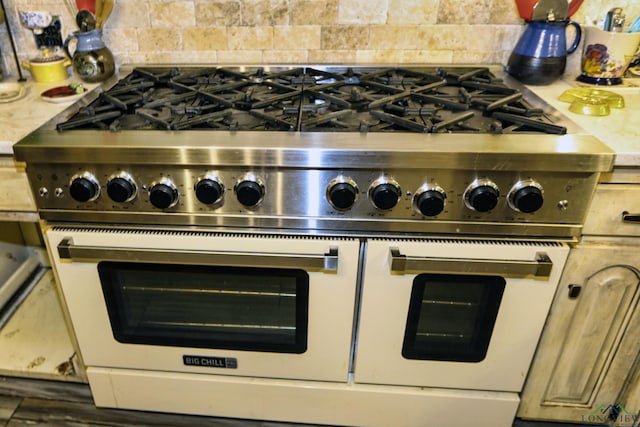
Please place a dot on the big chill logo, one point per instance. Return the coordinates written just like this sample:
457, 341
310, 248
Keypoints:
210, 362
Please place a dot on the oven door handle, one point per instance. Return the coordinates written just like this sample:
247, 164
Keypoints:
540, 267
325, 263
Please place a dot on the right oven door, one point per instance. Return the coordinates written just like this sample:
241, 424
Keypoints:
454, 313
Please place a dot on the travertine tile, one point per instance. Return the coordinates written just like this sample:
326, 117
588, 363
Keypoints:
426, 57
464, 11
504, 12
314, 12
297, 37
172, 14
332, 56
223, 12
158, 39
475, 38
362, 11
345, 37
129, 14
121, 40
240, 57
394, 36
265, 12
413, 12
201, 38
285, 56
247, 38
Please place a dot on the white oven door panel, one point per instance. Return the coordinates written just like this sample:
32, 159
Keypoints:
331, 297
385, 310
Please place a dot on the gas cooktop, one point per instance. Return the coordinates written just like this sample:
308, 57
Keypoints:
348, 99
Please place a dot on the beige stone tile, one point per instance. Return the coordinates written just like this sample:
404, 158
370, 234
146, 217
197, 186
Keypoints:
172, 14
465, 11
296, 37
204, 38
121, 40
469, 57
394, 36
475, 38
337, 37
223, 12
506, 36
413, 12
314, 12
332, 56
362, 11
504, 12
240, 57
426, 57
285, 56
265, 12
247, 38
129, 14
158, 39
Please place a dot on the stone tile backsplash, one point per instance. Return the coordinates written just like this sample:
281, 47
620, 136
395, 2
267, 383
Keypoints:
300, 31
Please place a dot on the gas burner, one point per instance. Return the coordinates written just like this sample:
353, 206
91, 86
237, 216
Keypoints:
423, 100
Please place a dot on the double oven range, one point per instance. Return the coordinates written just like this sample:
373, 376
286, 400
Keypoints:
365, 246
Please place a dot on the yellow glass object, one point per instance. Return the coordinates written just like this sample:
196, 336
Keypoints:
592, 102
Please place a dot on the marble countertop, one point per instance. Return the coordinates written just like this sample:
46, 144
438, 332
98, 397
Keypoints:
19, 118
619, 130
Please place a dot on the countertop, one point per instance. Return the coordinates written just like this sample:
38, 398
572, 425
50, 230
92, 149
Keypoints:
20, 117
619, 130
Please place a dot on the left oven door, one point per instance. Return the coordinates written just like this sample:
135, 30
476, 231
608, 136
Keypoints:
236, 304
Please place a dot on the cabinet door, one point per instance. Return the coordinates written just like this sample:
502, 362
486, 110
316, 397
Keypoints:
589, 344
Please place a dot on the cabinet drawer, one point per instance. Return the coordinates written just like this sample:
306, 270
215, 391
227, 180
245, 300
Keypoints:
610, 204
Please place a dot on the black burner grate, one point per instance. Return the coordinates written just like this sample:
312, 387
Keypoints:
427, 100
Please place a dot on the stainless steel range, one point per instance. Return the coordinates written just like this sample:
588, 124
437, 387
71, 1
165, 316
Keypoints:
308, 243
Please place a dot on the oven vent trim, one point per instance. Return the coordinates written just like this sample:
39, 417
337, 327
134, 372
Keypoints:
198, 233
536, 243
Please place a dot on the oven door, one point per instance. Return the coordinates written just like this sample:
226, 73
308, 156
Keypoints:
241, 305
460, 314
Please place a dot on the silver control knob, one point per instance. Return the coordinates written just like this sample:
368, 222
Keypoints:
209, 189
163, 194
84, 187
482, 195
121, 187
249, 190
526, 196
429, 200
342, 193
384, 193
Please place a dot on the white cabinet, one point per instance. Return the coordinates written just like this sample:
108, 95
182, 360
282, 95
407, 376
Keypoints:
587, 362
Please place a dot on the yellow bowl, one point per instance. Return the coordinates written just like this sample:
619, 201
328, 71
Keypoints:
48, 71
592, 102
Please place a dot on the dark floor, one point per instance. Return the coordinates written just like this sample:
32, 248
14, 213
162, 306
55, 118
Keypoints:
34, 403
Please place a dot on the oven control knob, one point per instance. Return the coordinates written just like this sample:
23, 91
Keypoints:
342, 193
163, 194
209, 190
121, 188
429, 200
526, 196
249, 190
482, 195
384, 193
84, 187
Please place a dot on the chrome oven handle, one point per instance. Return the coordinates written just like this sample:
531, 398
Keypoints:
326, 263
539, 268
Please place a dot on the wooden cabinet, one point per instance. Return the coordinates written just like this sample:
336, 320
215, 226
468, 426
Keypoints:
588, 360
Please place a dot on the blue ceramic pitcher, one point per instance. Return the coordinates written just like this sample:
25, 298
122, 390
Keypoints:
92, 59
540, 56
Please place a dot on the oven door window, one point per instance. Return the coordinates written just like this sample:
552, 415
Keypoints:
254, 309
451, 317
